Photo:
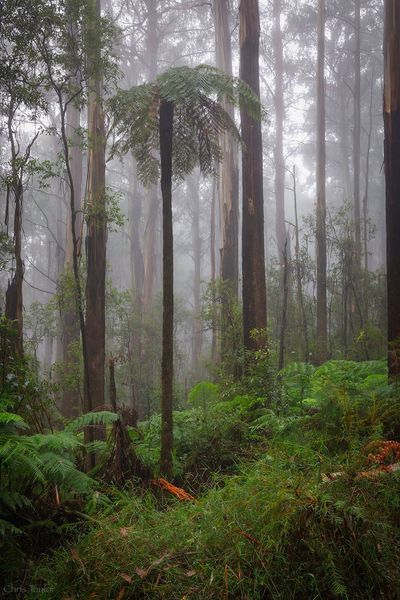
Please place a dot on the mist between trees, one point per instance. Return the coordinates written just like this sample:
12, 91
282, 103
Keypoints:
267, 230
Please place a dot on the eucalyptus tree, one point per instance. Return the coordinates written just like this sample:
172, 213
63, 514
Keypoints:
321, 340
180, 116
253, 261
391, 107
22, 100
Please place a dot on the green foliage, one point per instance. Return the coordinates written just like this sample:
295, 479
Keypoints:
272, 531
203, 394
199, 118
296, 378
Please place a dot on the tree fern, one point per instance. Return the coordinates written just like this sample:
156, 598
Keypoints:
199, 118
94, 418
31, 463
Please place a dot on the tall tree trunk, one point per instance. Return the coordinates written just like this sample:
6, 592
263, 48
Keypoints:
391, 114
15, 291
70, 403
213, 274
321, 349
357, 143
365, 204
279, 119
167, 363
228, 180
96, 227
282, 337
151, 200
303, 339
197, 337
253, 262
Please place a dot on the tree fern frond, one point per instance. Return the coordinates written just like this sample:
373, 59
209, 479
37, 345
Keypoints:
92, 418
7, 528
14, 500
199, 118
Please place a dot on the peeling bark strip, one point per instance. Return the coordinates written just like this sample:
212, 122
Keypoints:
392, 171
253, 262
167, 363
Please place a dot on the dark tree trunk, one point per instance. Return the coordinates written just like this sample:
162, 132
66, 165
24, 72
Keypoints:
391, 113
96, 237
19, 270
253, 262
167, 363
321, 349
71, 401
213, 275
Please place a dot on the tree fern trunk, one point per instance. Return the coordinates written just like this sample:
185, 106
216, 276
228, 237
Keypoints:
167, 364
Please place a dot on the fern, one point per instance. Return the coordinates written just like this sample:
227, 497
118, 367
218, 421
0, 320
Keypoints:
89, 419
199, 118
32, 463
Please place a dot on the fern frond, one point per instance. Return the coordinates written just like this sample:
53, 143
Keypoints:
92, 418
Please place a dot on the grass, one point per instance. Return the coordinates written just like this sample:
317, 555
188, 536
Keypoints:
266, 524
273, 531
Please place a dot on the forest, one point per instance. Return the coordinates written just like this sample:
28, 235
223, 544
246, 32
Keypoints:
199, 299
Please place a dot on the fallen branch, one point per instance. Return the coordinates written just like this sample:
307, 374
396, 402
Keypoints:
173, 489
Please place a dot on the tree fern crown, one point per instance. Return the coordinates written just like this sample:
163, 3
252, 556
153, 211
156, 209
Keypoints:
199, 118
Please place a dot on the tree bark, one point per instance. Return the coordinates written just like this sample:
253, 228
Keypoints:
228, 180
357, 144
96, 230
253, 262
279, 119
152, 201
167, 363
321, 347
197, 337
70, 403
391, 114
303, 340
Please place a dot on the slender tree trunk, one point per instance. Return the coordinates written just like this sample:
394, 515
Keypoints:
19, 269
321, 349
135, 216
300, 297
16, 288
279, 119
391, 114
357, 142
167, 363
151, 200
282, 337
253, 262
365, 205
96, 229
70, 404
197, 337
213, 272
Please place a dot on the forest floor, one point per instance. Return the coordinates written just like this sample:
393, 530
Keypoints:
295, 496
